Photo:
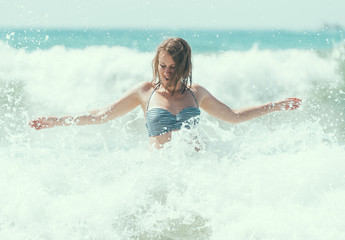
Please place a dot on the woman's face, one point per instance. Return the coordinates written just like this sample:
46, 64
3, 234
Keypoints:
166, 67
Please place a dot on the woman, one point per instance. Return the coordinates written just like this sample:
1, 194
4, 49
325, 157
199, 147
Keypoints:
170, 101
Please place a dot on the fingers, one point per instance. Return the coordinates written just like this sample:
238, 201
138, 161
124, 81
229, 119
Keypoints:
38, 124
293, 103
294, 99
289, 104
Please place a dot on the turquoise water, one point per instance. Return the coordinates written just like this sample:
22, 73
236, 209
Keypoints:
147, 40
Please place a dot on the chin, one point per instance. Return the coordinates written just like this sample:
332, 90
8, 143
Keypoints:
164, 81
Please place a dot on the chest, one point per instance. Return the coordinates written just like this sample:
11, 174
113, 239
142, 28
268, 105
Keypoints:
173, 104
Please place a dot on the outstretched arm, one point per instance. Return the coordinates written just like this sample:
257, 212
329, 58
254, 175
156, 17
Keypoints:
218, 109
129, 101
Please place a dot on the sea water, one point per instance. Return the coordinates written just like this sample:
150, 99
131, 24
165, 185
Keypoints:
281, 176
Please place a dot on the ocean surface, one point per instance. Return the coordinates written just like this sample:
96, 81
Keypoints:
281, 176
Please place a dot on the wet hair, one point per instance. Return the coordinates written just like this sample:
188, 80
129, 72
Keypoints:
181, 53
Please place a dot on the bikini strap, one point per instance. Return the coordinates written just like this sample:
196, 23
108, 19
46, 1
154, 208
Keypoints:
197, 104
148, 102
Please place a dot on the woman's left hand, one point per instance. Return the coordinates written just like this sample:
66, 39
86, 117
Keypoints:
288, 104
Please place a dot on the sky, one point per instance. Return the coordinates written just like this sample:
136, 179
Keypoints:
172, 14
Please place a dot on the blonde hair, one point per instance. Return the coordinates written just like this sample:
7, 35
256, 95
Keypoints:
181, 53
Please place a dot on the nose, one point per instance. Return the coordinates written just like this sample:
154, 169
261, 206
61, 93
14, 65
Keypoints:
168, 70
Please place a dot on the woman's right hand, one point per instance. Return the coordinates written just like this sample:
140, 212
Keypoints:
43, 122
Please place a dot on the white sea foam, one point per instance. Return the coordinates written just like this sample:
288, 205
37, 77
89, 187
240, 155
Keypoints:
277, 177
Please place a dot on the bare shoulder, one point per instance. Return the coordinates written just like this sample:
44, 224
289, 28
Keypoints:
199, 90
197, 87
144, 88
141, 88
201, 94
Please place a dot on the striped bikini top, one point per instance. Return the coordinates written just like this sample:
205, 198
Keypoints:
160, 121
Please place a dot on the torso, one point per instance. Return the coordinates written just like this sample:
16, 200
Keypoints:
160, 102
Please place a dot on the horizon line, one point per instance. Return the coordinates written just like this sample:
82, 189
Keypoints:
325, 27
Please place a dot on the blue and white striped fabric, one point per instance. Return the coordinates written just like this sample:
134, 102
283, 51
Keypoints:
160, 121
